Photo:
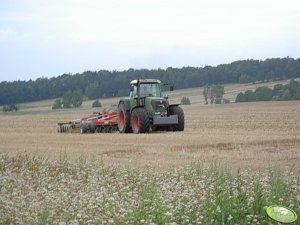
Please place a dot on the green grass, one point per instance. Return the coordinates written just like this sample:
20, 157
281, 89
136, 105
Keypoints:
37, 190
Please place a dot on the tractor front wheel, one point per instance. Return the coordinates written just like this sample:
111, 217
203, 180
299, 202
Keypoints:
176, 110
140, 121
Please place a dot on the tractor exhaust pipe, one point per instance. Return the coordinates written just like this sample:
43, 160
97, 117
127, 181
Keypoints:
138, 93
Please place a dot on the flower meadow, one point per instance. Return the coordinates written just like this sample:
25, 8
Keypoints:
35, 189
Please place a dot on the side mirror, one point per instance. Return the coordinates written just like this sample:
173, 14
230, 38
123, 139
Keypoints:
131, 88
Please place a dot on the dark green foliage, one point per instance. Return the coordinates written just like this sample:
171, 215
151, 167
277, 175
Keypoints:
185, 101
96, 103
217, 93
226, 101
214, 93
72, 99
240, 97
10, 108
249, 96
280, 92
100, 84
206, 93
57, 104
263, 94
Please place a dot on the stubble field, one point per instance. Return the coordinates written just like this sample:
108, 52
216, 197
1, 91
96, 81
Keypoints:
254, 135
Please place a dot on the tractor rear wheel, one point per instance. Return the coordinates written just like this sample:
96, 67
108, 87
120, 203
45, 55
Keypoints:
140, 121
123, 119
176, 110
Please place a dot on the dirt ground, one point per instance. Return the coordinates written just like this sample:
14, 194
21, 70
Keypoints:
254, 135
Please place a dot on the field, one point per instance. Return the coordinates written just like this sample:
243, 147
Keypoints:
253, 135
244, 154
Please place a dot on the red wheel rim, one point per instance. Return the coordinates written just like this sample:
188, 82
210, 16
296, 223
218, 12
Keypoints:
121, 120
135, 123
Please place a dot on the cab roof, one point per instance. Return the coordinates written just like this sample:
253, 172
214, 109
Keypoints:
146, 81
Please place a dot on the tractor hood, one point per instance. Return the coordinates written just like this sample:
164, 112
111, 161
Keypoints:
156, 104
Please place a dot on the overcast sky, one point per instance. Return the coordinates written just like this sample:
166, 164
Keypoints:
46, 38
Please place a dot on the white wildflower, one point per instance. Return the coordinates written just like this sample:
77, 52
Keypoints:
168, 214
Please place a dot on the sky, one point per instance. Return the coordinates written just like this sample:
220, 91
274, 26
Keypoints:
47, 38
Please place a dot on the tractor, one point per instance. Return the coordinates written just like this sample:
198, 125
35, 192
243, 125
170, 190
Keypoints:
147, 110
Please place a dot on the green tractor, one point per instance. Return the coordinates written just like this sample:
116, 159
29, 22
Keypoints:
147, 110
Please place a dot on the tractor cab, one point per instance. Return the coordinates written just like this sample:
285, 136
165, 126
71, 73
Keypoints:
145, 88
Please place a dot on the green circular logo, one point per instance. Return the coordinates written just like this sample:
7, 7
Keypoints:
281, 214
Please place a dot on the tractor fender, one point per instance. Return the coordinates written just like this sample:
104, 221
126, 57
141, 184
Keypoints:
173, 105
170, 106
140, 106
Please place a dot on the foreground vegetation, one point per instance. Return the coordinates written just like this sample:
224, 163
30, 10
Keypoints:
37, 190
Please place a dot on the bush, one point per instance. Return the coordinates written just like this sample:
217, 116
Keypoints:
57, 104
96, 103
185, 101
10, 108
240, 97
226, 101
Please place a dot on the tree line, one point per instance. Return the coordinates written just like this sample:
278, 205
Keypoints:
280, 92
103, 83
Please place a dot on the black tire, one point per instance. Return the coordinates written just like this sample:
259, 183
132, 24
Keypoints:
114, 128
92, 128
140, 121
176, 110
83, 128
123, 119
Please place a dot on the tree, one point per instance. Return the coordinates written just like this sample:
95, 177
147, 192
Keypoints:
77, 99
226, 101
249, 96
67, 99
185, 101
10, 108
294, 88
57, 104
206, 92
263, 94
280, 92
240, 97
72, 99
217, 93
96, 103
214, 93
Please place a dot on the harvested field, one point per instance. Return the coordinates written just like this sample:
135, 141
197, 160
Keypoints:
246, 135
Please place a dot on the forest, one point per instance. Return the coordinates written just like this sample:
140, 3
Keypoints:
103, 83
